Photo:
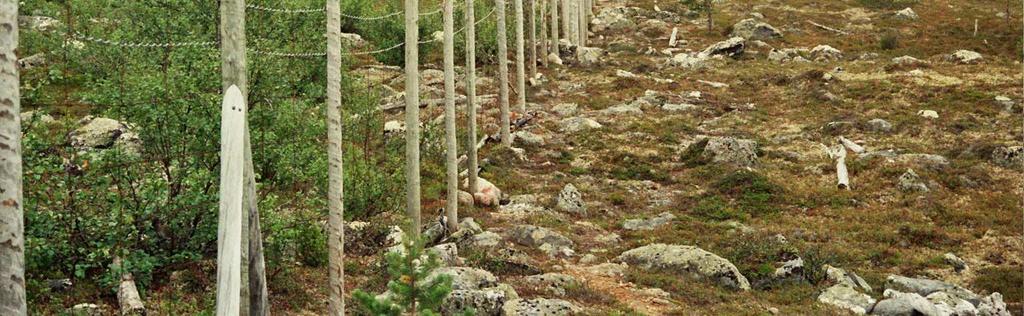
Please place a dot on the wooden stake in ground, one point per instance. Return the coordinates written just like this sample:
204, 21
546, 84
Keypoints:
12, 240
531, 27
452, 208
520, 62
335, 167
542, 8
471, 95
554, 27
127, 293
505, 120
412, 116
229, 224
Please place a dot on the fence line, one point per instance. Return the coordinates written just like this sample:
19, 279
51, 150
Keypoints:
320, 10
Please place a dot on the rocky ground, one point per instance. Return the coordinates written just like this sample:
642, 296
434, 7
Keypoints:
699, 175
696, 174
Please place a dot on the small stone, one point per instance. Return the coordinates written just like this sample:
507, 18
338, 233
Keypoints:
571, 200
732, 47
649, 224
86, 309
928, 114
565, 109
899, 304
906, 14
846, 297
589, 56
751, 29
879, 126
958, 264
1009, 157
525, 138
964, 56
579, 124
826, 53
1006, 103
911, 182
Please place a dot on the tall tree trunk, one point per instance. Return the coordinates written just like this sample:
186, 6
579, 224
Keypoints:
709, 10
505, 120
412, 116
335, 172
12, 240
543, 12
520, 62
449, 117
471, 95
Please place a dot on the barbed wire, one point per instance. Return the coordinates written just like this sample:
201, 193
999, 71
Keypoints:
289, 54
288, 11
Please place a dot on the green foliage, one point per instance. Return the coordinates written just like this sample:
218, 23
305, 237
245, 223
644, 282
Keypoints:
889, 41
1005, 279
714, 208
754, 193
412, 288
887, 4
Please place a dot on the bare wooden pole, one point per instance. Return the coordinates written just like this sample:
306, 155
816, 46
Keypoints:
335, 167
520, 59
412, 115
505, 120
543, 11
452, 208
12, 240
471, 95
127, 293
532, 43
554, 27
229, 224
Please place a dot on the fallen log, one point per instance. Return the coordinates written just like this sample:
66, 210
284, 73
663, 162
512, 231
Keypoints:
841, 32
858, 149
128, 294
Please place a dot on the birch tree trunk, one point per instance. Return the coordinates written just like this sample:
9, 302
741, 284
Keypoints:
532, 44
128, 294
520, 62
567, 20
412, 116
554, 27
471, 95
335, 172
505, 120
12, 240
229, 224
449, 117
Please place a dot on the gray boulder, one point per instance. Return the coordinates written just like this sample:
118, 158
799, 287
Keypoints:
612, 20
649, 223
688, 260
752, 29
731, 47
483, 302
879, 126
571, 200
103, 133
842, 277
579, 124
726, 150
553, 283
825, 53
539, 307
565, 109
465, 278
589, 56
525, 138
964, 56
906, 14
924, 287
993, 305
545, 239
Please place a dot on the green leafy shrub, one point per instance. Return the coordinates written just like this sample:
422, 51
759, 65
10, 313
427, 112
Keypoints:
412, 288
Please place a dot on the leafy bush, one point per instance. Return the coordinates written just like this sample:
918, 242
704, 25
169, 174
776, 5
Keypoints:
412, 289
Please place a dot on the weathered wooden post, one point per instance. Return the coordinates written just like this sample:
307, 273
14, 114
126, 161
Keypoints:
542, 8
412, 116
128, 297
12, 240
554, 27
532, 44
335, 172
229, 224
505, 120
452, 150
471, 96
520, 62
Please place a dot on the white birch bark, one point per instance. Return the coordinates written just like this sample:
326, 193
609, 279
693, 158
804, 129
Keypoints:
471, 151
412, 116
543, 13
335, 171
12, 240
554, 27
504, 121
452, 164
229, 224
520, 62
128, 294
531, 27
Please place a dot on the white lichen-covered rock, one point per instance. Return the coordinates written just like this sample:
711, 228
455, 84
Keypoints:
726, 150
589, 56
731, 47
525, 138
36, 117
565, 109
539, 307
686, 260
38, 23
688, 60
103, 133
898, 304
925, 287
482, 302
753, 29
571, 200
1006, 103
842, 277
466, 278
447, 253
879, 126
625, 108
1009, 157
964, 56
906, 14
579, 124
949, 305
788, 54
825, 53
353, 40
932, 114
993, 305
846, 297
649, 223
907, 61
